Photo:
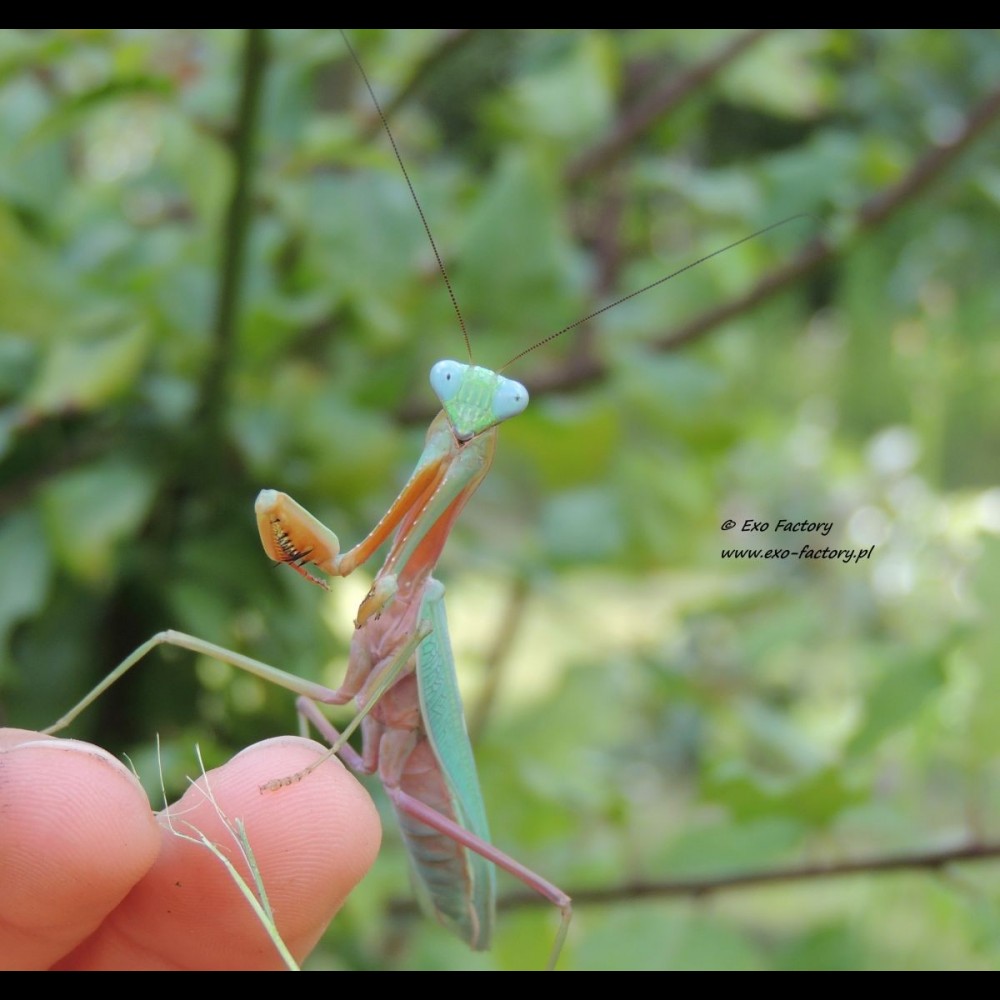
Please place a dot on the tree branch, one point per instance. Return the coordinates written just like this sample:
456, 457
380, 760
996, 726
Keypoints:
918, 861
446, 45
498, 656
212, 395
651, 107
932, 860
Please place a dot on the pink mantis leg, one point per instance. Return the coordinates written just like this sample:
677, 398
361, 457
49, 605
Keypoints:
416, 809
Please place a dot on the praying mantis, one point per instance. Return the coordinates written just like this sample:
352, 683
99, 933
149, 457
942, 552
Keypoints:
405, 598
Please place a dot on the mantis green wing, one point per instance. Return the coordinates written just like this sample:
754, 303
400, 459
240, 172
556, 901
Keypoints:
441, 708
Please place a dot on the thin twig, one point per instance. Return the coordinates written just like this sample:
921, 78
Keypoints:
446, 44
496, 659
651, 107
932, 860
881, 865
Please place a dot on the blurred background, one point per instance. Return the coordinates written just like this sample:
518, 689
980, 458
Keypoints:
213, 279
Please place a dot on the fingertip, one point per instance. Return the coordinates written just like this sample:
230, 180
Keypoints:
77, 834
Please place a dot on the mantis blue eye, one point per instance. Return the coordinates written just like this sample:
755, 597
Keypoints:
446, 377
511, 399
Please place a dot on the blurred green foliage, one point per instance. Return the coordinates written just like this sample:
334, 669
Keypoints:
646, 710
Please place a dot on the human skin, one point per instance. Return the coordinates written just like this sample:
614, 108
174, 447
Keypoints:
92, 878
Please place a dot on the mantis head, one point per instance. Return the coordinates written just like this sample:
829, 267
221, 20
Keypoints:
475, 398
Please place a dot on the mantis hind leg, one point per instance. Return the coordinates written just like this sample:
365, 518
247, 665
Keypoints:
423, 813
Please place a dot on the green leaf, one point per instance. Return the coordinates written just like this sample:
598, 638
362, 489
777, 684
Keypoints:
897, 697
85, 371
22, 591
88, 512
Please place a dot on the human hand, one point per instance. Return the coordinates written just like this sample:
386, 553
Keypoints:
93, 879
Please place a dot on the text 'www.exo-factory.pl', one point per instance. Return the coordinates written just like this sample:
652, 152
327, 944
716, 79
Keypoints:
804, 551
